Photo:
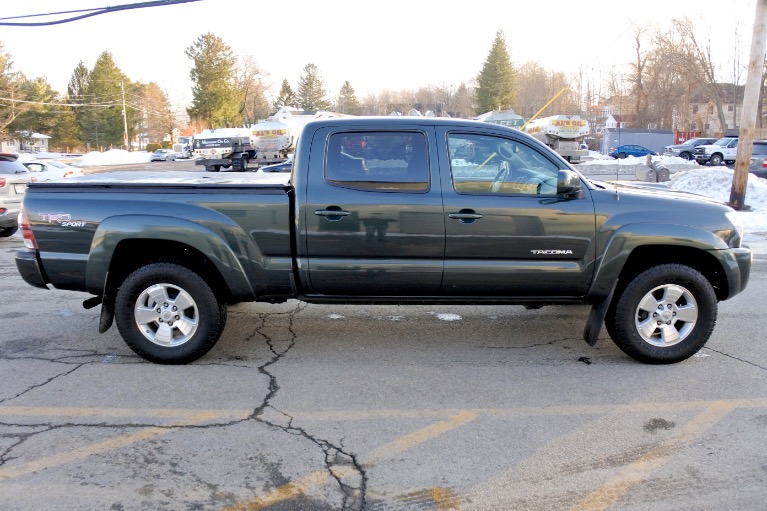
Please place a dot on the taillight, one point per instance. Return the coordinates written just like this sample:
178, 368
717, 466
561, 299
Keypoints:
764, 163
26, 230
33, 179
2, 182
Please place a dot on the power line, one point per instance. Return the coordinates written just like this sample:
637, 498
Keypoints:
88, 13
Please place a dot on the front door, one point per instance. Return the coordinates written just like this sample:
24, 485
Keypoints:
508, 234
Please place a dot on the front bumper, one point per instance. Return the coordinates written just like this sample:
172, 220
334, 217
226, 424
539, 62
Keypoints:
738, 266
30, 268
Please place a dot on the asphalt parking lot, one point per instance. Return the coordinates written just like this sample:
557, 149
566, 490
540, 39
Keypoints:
316, 407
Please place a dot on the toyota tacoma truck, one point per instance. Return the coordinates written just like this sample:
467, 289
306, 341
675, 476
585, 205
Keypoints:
428, 211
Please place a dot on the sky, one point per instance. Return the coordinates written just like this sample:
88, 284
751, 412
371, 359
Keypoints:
375, 45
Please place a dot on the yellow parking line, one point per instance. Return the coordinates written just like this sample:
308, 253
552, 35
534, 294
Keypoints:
296, 488
89, 450
635, 473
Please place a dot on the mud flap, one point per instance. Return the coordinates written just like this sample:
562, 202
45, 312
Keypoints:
597, 318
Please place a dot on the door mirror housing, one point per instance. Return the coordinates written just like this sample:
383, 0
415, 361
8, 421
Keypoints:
569, 184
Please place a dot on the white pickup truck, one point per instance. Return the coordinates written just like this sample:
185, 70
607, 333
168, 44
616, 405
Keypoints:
723, 150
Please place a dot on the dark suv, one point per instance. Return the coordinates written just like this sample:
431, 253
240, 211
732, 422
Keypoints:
687, 149
759, 159
13, 179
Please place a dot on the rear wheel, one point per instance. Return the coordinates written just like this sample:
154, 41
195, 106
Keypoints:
8, 231
664, 315
168, 314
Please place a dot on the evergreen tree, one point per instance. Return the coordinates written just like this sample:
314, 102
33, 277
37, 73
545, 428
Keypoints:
287, 97
76, 91
311, 91
496, 81
214, 99
10, 84
103, 124
39, 117
347, 100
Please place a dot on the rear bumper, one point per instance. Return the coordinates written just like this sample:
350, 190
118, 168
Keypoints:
30, 269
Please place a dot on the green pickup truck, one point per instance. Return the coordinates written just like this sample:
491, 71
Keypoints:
426, 211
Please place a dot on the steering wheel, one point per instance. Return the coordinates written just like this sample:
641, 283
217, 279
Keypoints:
506, 150
501, 176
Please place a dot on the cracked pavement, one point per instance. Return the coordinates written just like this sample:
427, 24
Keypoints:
376, 408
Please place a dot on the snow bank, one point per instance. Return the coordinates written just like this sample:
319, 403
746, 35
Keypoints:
112, 157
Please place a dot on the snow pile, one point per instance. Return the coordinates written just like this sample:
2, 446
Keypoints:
716, 183
112, 157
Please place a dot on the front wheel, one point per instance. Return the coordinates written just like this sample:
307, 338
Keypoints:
664, 315
168, 314
685, 155
622, 155
716, 160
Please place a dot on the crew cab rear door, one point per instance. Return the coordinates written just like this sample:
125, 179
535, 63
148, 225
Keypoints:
372, 222
508, 233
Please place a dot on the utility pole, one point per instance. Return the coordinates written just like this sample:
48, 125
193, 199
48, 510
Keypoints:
125, 118
750, 108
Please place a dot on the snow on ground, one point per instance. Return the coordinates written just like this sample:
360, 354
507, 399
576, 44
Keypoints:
112, 157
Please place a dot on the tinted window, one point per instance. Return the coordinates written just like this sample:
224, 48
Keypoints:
492, 165
759, 149
379, 161
12, 167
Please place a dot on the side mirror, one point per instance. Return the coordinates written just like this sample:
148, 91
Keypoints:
569, 184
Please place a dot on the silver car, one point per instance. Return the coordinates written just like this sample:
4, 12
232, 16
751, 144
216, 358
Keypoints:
13, 183
163, 155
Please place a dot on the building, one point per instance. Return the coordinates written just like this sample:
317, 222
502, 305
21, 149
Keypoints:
25, 142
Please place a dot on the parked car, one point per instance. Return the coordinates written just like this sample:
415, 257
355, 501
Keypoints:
758, 165
50, 170
687, 148
286, 166
723, 150
631, 150
13, 184
163, 155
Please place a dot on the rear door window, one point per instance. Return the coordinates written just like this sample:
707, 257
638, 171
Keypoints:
378, 161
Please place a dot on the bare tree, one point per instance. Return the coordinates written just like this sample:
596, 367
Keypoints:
251, 90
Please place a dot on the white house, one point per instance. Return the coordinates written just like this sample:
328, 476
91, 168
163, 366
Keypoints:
614, 122
25, 142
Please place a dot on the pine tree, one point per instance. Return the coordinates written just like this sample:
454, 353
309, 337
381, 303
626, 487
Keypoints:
311, 91
10, 84
105, 126
76, 91
214, 98
496, 81
287, 97
347, 100
39, 117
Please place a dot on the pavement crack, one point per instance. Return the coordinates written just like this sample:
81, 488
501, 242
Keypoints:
342, 465
737, 358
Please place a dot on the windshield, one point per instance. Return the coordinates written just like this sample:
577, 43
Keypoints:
722, 141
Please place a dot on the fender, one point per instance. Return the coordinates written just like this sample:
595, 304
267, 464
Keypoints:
628, 237
116, 229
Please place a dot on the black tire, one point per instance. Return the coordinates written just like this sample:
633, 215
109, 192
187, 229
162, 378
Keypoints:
8, 231
685, 155
684, 306
621, 155
161, 294
715, 160
243, 164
